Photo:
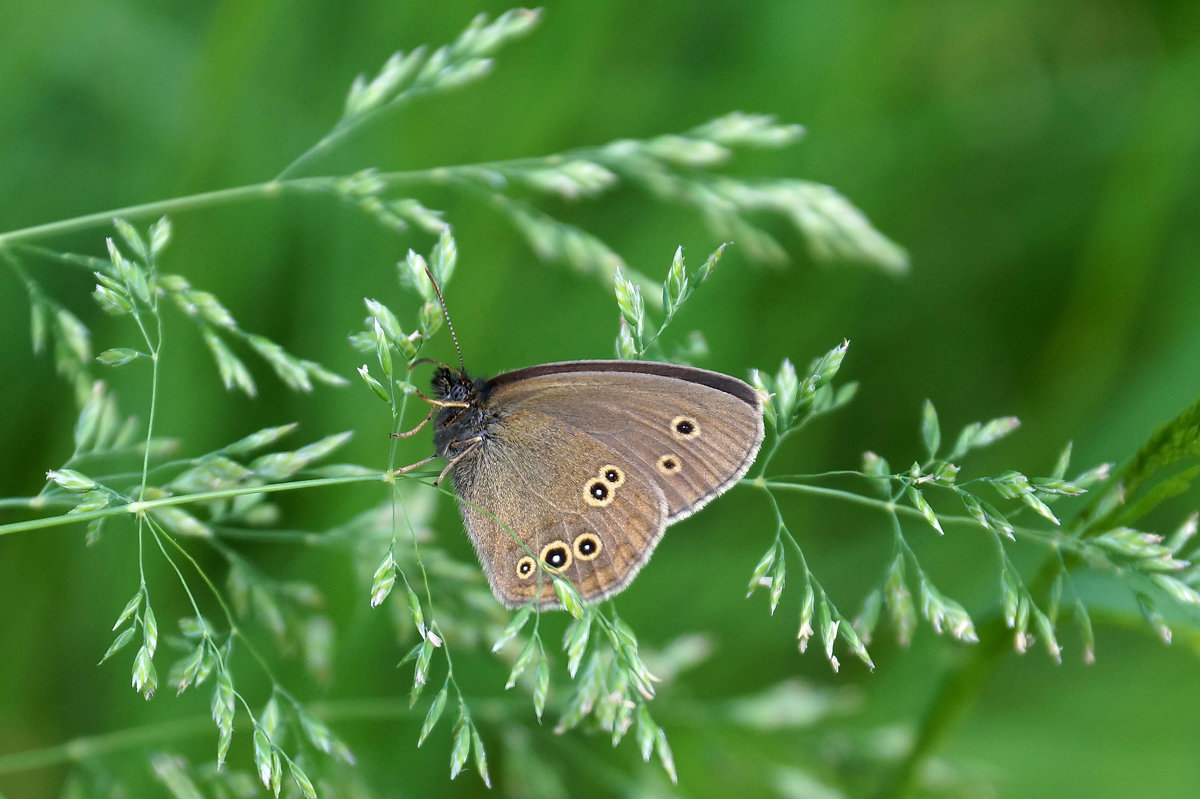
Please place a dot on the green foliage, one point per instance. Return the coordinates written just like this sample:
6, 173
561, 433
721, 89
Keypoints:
231, 616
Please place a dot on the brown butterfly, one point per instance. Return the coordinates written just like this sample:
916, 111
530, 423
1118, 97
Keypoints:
578, 467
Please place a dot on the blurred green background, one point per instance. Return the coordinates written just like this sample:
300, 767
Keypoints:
1039, 162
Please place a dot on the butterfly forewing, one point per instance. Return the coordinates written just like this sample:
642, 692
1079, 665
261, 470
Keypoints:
693, 439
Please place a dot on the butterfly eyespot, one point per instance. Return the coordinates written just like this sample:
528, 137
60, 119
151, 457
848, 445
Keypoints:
587, 546
684, 427
556, 555
597, 494
668, 464
526, 567
613, 474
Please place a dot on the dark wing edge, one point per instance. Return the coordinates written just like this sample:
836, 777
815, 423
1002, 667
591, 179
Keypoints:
690, 374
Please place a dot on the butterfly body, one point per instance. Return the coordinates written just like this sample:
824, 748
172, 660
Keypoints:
580, 466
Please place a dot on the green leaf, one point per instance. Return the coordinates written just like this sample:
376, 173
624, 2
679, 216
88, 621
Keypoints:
145, 677
945, 614
414, 609
868, 616
877, 469
302, 781
1064, 460
1042, 508
480, 757
1185, 532
131, 607
421, 670
976, 435
233, 371
931, 433
190, 670
320, 736
150, 626
515, 625
131, 237
778, 577
1170, 486
826, 367
646, 732
919, 502
119, 356
383, 580
160, 236
119, 643
287, 367
444, 256
626, 347
280, 465
258, 440
576, 641
532, 649
806, 615
711, 262
1153, 617
222, 714
900, 602
1085, 632
764, 565
1177, 589
541, 687
263, 761
944, 472
852, 639
568, 597
1010, 593
462, 743
75, 338
675, 288
827, 627
786, 397
37, 324
112, 300
435, 712
664, 754
631, 305
1170, 443
1045, 629
271, 717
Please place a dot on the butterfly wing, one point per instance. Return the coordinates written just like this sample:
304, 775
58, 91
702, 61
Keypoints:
588, 463
693, 432
539, 493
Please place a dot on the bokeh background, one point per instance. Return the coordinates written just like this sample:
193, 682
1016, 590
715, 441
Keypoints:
1038, 161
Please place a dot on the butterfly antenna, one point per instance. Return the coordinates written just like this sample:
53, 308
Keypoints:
446, 313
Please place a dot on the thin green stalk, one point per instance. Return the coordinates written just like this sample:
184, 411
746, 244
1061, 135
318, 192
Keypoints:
895, 506
185, 499
156, 208
78, 750
345, 127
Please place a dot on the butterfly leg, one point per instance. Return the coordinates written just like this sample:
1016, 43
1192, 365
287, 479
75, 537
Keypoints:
470, 445
416, 465
416, 429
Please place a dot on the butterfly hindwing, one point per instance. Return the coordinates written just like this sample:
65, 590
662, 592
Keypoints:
543, 494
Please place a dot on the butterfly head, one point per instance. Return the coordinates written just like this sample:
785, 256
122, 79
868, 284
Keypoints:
464, 415
452, 385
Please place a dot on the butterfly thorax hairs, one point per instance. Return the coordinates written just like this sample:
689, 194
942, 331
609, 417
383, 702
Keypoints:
463, 422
